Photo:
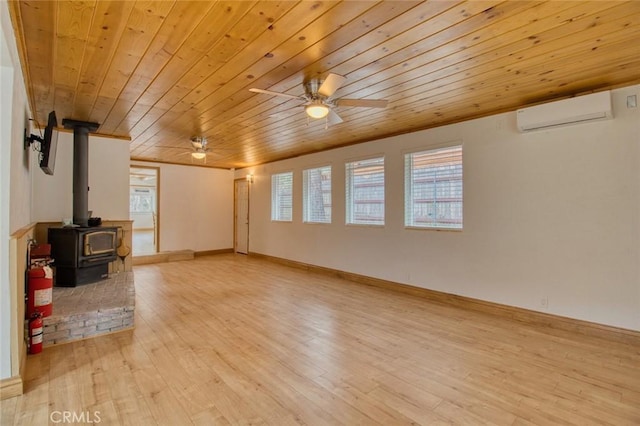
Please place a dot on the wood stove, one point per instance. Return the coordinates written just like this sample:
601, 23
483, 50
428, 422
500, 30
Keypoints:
82, 254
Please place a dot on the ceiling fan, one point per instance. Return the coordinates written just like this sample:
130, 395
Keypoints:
199, 145
200, 149
318, 102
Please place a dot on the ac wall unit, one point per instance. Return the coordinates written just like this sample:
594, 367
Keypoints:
581, 109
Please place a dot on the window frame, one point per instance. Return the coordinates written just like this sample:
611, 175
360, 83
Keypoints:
275, 217
305, 208
409, 222
348, 208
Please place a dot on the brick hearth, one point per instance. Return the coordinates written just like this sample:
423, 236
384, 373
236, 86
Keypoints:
91, 310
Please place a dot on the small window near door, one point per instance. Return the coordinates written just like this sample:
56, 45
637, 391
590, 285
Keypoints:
282, 197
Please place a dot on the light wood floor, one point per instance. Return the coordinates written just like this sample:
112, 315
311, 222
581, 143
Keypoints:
143, 242
231, 339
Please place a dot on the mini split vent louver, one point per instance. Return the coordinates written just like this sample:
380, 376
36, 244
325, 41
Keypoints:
576, 110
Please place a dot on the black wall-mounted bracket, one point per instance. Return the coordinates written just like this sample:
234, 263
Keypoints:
29, 139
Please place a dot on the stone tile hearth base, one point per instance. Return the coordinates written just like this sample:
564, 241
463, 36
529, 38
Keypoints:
91, 310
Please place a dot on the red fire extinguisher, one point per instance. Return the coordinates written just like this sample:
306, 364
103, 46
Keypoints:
39, 291
35, 333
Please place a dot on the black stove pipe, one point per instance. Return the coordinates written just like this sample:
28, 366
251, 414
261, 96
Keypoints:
81, 131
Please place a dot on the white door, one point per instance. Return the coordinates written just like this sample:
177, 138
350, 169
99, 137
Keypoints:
241, 219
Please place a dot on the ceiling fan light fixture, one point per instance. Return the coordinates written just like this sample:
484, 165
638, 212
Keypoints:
198, 155
317, 110
198, 142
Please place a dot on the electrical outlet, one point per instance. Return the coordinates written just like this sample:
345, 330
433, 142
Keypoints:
632, 101
544, 302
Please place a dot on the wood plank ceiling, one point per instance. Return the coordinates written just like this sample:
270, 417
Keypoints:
160, 72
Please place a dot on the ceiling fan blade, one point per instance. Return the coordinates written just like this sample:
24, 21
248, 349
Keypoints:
331, 84
367, 103
333, 118
269, 92
208, 154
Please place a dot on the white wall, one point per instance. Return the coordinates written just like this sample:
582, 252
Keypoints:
108, 180
196, 207
6, 80
15, 185
551, 215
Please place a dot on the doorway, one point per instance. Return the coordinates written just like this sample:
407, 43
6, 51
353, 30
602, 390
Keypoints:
241, 216
143, 209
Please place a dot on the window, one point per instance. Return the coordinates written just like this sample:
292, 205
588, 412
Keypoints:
141, 200
365, 192
316, 195
433, 188
282, 196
